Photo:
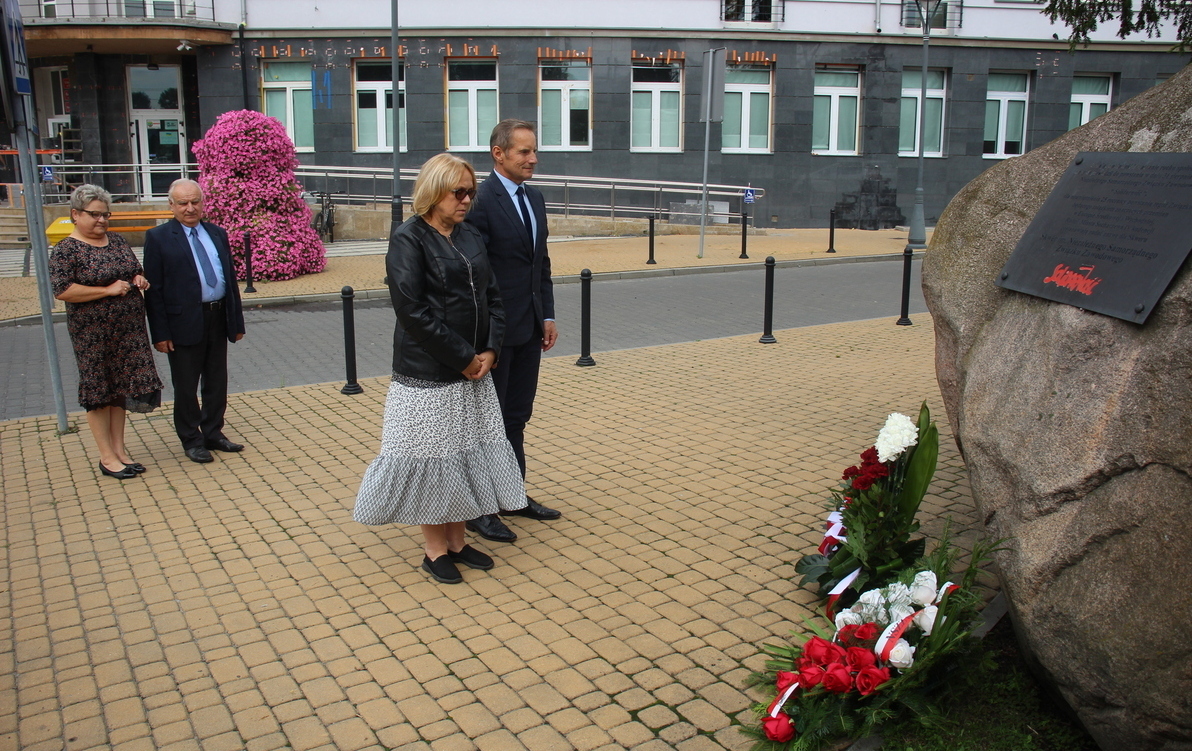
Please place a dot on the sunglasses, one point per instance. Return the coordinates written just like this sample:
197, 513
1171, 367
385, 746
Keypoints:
97, 214
461, 193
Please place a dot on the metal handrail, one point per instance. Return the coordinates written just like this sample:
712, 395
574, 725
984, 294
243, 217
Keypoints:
141, 11
565, 194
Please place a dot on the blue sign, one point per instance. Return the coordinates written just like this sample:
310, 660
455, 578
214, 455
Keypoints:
750, 196
47, 173
14, 33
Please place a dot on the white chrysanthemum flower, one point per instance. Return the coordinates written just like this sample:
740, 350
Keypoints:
848, 618
898, 434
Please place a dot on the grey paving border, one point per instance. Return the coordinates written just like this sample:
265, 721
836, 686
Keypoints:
372, 294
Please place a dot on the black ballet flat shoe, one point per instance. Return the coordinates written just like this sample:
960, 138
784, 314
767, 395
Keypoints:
125, 474
135, 467
441, 570
472, 558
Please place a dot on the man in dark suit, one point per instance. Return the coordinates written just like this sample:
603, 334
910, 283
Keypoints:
194, 311
512, 218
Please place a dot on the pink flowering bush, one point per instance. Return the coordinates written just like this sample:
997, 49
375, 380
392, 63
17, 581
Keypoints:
247, 166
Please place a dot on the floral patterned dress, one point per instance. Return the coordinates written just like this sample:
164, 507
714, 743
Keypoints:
110, 340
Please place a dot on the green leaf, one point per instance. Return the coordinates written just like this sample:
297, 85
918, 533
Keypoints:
919, 472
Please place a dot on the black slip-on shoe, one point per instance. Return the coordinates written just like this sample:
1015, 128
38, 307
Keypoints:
441, 570
472, 558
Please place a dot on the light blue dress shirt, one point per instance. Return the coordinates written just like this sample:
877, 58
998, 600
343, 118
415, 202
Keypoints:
210, 293
512, 188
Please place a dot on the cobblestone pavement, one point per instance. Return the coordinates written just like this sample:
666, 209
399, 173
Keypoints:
236, 605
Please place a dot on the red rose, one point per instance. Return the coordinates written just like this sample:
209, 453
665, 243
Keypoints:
817, 650
845, 634
785, 679
866, 632
871, 678
779, 729
810, 674
850, 473
837, 679
859, 659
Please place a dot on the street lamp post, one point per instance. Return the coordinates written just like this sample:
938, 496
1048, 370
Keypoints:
395, 212
917, 236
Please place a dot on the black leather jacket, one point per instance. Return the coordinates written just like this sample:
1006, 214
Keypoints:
446, 300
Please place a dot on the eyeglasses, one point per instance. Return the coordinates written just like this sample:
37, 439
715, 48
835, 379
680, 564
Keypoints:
461, 193
97, 214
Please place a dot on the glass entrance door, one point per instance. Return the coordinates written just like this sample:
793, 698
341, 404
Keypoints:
158, 130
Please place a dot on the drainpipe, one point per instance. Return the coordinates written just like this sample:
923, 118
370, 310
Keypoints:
877, 15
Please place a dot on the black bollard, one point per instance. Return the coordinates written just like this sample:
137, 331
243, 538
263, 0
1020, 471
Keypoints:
352, 387
906, 287
248, 263
832, 231
585, 326
768, 333
651, 241
744, 231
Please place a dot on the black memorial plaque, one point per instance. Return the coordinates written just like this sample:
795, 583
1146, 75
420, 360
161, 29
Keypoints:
1111, 236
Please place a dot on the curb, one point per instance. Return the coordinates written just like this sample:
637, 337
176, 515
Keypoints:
382, 293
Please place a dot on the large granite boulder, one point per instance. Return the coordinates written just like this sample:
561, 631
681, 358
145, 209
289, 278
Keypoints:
1077, 431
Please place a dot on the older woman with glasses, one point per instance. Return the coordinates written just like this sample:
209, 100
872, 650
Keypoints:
444, 458
101, 281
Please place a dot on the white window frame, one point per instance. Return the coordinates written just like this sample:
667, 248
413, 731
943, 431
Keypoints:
915, 93
655, 90
1003, 99
1086, 101
290, 88
746, 90
380, 90
476, 141
836, 93
566, 89
151, 9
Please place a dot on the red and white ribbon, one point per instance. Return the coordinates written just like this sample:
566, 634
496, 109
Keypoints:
945, 589
838, 590
781, 699
885, 642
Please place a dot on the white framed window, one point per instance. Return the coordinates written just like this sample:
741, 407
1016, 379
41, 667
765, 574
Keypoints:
374, 106
287, 96
1091, 97
752, 11
565, 105
657, 103
154, 8
747, 93
49, 8
1005, 114
933, 123
836, 118
471, 103
944, 14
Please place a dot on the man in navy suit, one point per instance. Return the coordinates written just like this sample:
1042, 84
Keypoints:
194, 311
512, 218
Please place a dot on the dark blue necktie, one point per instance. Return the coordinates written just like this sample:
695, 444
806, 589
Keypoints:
525, 213
204, 260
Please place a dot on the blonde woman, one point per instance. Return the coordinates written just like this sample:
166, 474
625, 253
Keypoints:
101, 281
444, 457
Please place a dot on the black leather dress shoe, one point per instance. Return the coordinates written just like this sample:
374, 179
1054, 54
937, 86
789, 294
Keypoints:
124, 474
199, 454
534, 510
491, 527
223, 444
136, 467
